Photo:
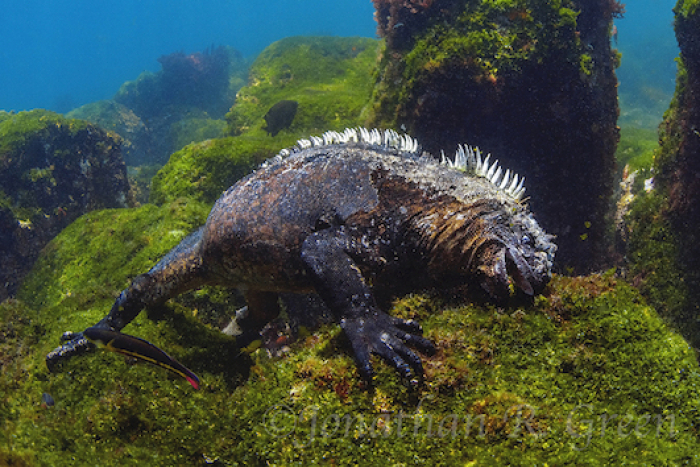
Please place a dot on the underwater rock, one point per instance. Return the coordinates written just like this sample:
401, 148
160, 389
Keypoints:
202, 171
679, 165
664, 247
52, 170
112, 116
206, 81
159, 113
532, 81
280, 116
331, 78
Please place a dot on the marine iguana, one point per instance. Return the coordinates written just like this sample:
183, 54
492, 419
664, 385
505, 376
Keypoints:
351, 216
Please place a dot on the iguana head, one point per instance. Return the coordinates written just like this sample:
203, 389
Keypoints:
515, 251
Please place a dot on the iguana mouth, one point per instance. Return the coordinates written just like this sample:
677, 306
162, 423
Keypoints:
519, 271
505, 266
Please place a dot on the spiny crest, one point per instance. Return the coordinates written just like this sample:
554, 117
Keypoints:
387, 139
468, 159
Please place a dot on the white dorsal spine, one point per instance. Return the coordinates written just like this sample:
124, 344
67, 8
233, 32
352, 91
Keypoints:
467, 159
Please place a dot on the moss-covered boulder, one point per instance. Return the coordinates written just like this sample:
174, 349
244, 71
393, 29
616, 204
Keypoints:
531, 81
202, 171
587, 374
136, 138
331, 79
52, 170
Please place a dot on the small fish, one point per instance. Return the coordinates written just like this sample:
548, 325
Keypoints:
139, 349
280, 116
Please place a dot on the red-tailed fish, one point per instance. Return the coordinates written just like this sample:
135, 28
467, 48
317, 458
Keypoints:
139, 349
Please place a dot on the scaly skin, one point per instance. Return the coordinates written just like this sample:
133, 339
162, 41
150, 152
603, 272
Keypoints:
335, 218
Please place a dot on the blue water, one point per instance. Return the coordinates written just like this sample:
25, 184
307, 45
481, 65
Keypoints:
648, 73
62, 54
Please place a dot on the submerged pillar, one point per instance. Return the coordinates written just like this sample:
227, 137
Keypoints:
530, 81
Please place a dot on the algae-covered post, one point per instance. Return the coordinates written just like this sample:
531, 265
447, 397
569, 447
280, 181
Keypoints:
532, 81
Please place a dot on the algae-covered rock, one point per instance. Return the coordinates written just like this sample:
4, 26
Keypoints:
204, 170
195, 128
159, 113
136, 137
328, 78
52, 170
664, 247
331, 78
587, 374
206, 80
531, 81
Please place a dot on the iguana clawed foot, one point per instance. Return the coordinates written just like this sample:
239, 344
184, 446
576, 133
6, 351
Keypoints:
389, 338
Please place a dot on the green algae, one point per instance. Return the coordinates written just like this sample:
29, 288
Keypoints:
140, 181
499, 36
493, 40
195, 129
18, 129
110, 115
202, 171
589, 349
103, 249
636, 148
686, 8
653, 253
330, 77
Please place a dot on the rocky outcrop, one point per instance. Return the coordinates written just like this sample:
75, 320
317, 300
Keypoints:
664, 247
679, 164
159, 113
52, 170
532, 82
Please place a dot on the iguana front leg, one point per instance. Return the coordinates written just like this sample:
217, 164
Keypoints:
339, 282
